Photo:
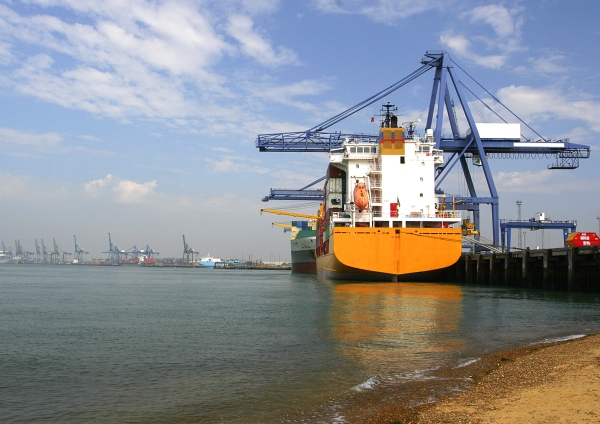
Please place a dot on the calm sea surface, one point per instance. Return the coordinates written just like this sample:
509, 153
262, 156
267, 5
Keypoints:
134, 344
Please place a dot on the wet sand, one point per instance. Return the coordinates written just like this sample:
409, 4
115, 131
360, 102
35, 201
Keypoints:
554, 382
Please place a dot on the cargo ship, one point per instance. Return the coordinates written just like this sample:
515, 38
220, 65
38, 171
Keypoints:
302, 247
8, 259
209, 261
380, 219
302, 241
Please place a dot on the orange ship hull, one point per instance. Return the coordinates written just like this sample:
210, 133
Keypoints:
388, 254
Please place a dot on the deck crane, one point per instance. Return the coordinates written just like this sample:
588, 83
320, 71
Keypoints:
298, 215
187, 252
475, 144
79, 252
286, 227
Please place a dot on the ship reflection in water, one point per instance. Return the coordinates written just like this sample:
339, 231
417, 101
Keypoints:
390, 328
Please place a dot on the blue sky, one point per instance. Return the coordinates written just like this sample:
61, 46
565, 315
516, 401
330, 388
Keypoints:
139, 117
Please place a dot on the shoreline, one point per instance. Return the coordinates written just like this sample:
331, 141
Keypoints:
545, 382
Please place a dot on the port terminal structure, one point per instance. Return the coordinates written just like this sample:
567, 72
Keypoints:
116, 256
533, 224
479, 143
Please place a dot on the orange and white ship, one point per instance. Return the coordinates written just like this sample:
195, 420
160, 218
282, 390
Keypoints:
380, 219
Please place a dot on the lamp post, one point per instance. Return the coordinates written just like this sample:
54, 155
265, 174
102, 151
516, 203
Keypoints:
598, 218
519, 203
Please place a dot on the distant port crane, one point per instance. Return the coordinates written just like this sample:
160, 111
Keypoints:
45, 252
79, 252
38, 253
477, 144
114, 253
188, 252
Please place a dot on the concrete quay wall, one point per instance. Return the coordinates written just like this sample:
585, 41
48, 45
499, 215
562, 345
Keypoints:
561, 269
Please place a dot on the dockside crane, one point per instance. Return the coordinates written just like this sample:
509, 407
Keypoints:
8, 252
79, 252
19, 249
25, 254
56, 254
37, 251
44, 252
114, 254
148, 251
187, 252
477, 144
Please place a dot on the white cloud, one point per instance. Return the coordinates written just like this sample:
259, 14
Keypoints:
254, 45
21, 188
39, 142
546, 65
260, 6
124, 191
499, 18
234, 165
546, 181
505, 40
551, 103
132, 192
385, 11
95, 187
287, 94
460, 45
138, 58
14, 140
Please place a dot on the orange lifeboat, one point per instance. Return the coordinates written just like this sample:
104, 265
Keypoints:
361, 196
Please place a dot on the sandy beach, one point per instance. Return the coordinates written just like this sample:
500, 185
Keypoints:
549, 382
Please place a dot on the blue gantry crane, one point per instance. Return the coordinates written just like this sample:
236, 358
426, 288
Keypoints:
478, 143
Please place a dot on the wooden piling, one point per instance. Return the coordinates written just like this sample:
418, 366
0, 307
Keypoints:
560, 269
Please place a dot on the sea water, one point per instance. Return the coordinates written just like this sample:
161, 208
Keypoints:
135, 344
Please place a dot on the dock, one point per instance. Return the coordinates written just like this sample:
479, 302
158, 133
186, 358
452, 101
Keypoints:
559, 269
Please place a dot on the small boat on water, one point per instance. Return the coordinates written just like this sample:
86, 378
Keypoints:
380, 218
